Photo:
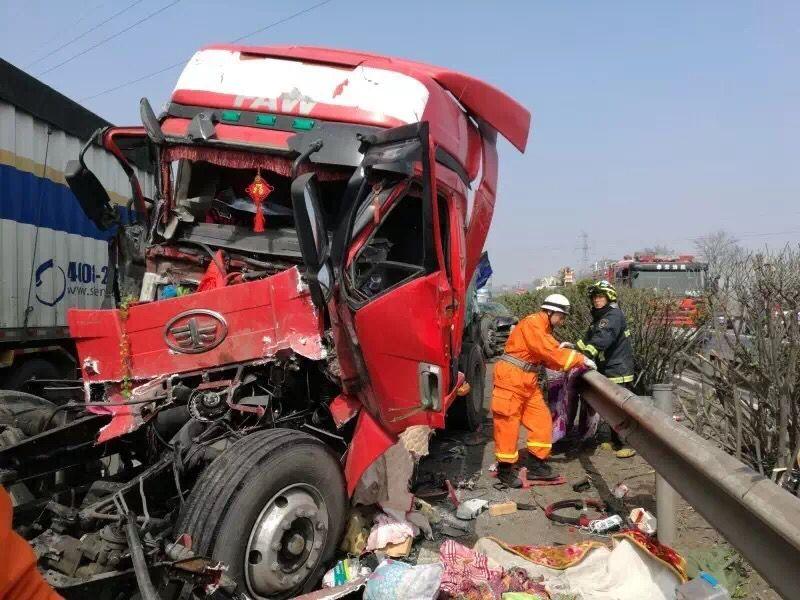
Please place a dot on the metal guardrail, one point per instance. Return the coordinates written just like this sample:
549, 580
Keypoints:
760, 519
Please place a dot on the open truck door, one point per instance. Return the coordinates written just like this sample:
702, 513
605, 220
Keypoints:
124, 143
395, 303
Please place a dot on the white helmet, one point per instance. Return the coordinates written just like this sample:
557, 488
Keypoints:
556, 303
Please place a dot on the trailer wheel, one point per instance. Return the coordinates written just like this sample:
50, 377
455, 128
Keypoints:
25, 413
467, 412
273, 508
33, 368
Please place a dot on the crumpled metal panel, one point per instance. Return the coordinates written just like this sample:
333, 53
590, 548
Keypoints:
254, 320
235, 324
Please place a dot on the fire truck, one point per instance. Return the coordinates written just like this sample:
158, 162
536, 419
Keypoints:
682, 276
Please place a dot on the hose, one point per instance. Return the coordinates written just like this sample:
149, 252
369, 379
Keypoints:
140, 568
314, 146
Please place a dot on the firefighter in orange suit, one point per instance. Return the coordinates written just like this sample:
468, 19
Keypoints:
517, 397
19, 578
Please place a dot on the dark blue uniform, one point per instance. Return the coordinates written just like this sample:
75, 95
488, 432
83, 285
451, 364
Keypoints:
608, 343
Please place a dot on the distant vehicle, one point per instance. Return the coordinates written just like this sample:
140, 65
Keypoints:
682, 276
496, 324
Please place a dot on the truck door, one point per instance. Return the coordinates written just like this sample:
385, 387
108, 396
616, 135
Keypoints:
399, 294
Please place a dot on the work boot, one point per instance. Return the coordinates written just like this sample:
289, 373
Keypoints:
508, 475
539, 469
620, 449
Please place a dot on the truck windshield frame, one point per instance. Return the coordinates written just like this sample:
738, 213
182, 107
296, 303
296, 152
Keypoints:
685, 283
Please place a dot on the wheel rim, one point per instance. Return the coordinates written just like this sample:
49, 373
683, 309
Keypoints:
286, 541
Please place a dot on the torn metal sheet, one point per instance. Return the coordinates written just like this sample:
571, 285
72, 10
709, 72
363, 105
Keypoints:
233, 324
344, 408
340, 591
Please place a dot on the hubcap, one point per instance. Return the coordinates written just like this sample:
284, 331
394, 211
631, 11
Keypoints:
287, 540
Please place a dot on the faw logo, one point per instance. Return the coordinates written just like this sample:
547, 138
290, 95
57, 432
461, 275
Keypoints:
195, 331
292, 102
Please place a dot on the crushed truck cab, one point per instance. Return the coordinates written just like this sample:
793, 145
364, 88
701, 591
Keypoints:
319, 215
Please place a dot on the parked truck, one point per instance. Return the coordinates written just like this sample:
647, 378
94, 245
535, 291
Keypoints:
682, 276
53, 257
316, 219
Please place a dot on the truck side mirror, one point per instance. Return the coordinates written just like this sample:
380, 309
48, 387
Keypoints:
150, 122
91, 194
313, 237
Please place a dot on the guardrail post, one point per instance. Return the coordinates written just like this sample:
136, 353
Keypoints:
666, 497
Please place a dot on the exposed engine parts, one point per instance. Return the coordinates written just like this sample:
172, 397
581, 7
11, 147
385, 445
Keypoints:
207, 405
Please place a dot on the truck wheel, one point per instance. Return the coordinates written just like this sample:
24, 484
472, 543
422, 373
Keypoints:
487, 337
467, 412
34, 368
273, 508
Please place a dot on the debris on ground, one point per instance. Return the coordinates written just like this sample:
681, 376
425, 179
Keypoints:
471, 508
345, 571
644, 521
388, 530
582, 485
395, 579
348, 590
724, 564
356, 533
498, 509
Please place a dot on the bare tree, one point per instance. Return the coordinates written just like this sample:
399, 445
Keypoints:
750, 395
658, 250
718, 249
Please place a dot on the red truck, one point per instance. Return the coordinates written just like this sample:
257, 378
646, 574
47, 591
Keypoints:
682, 276
318, 217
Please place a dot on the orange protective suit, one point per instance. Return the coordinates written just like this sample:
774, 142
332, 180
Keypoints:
19, 579
517, 397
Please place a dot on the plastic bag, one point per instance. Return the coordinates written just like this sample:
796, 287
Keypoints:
393, 579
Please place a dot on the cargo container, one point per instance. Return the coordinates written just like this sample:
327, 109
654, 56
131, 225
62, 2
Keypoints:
52, 257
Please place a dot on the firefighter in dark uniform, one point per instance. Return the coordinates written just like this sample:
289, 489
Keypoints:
607, 342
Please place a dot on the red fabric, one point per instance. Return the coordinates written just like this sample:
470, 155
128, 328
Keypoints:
240, 159
213, 278
665, 554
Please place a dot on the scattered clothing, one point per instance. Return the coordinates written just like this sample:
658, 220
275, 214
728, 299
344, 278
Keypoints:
564, 401
554, 557
389, 530
468, 575
636, 567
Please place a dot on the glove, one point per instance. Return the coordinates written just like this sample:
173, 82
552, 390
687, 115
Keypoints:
589, 363
569, 345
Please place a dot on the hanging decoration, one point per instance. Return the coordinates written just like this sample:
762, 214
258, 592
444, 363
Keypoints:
258, 191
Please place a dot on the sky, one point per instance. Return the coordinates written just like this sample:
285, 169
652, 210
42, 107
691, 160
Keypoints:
653, 124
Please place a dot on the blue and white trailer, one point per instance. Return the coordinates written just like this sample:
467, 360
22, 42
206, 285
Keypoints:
52, 257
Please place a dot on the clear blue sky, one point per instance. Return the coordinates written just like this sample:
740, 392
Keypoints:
652, 124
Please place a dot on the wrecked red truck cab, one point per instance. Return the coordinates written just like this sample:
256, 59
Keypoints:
320, 214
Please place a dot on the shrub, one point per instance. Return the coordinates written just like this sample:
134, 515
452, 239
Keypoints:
660, 350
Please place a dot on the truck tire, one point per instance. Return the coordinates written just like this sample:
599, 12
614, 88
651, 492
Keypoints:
33, 368
272, 507
487, 336
467, 412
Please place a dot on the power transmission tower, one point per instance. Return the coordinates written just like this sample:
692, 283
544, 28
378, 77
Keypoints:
584, 248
